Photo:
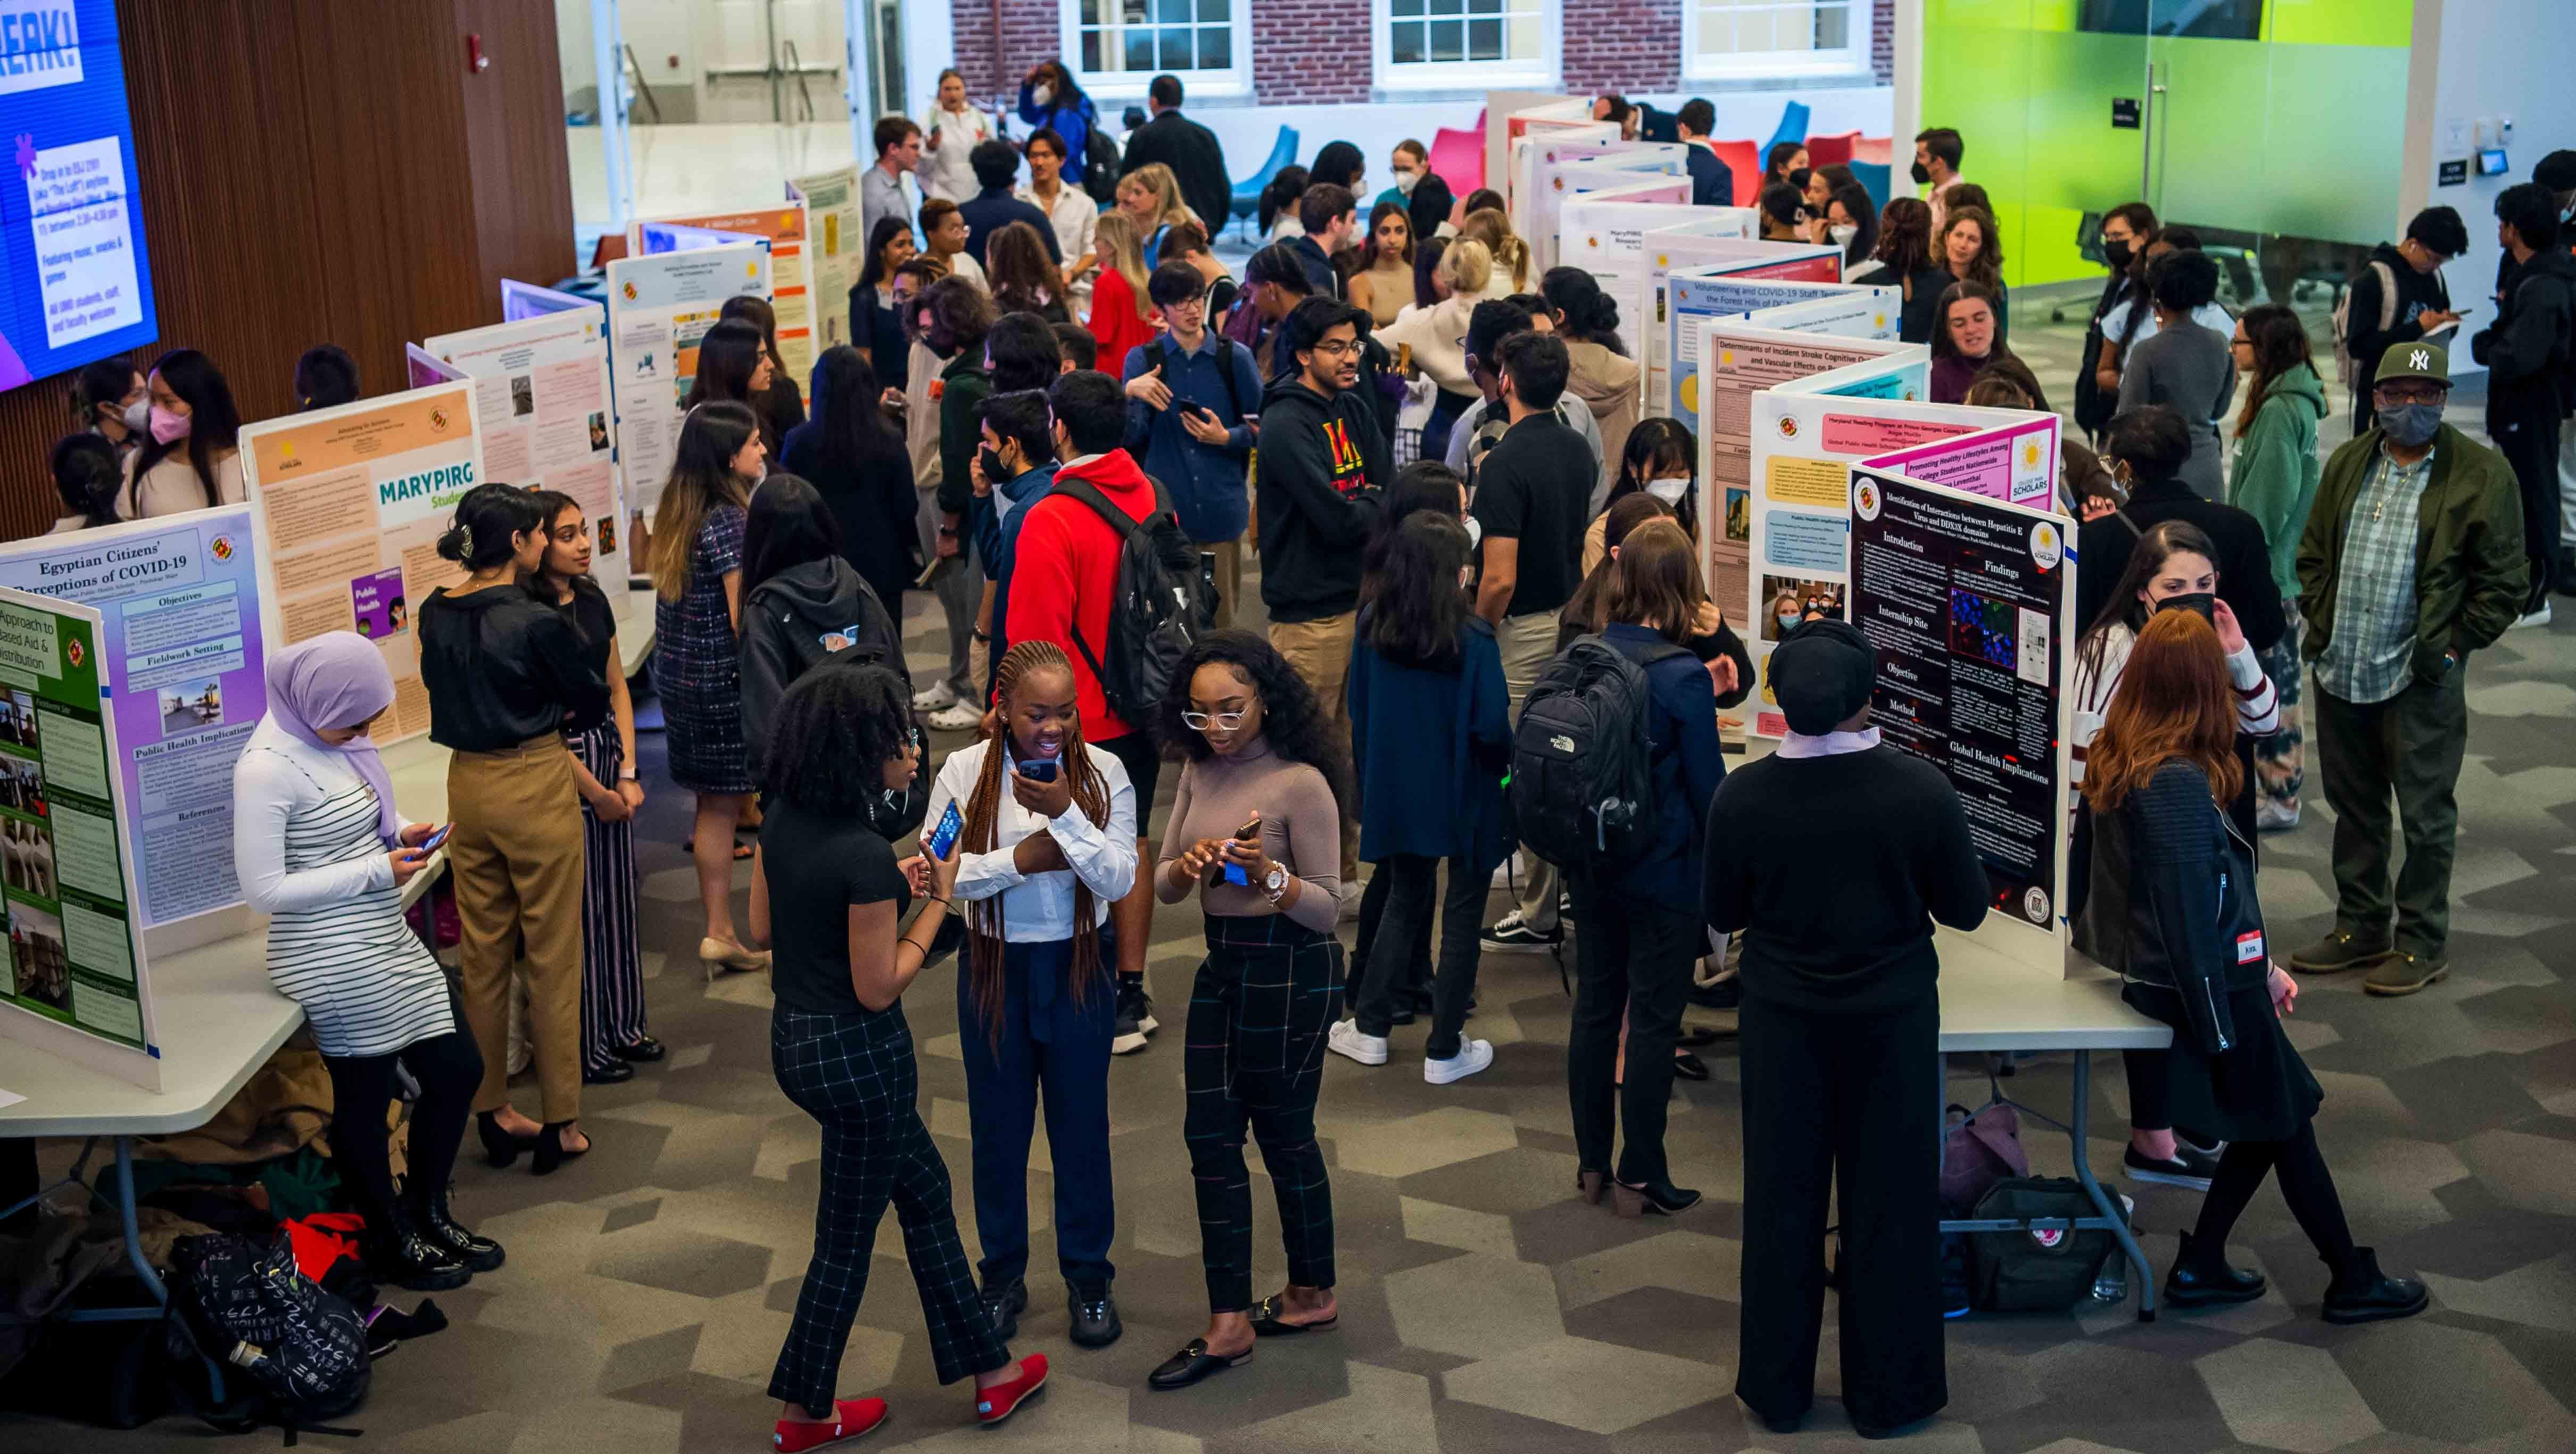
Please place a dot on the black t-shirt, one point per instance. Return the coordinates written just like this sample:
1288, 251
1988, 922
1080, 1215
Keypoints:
591, 615
1535, 488
818, 867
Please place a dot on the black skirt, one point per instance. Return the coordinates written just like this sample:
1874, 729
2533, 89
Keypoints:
2256, 1090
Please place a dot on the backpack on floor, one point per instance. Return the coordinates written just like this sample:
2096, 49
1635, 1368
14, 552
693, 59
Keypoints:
1582, 782
253, 1342
2040, 1270
1159, 609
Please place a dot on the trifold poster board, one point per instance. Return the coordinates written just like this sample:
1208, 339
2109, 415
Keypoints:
527, 300
835, 239
1970, 602
348, 505
181, 654
77, 984
659, 306
1623, 165
1604, 232
1512, 115
541, 394
1702, 277
787, 229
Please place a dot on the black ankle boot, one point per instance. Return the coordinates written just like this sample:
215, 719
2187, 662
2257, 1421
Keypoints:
2361, 1293
438, 1227
396, 1253
2200, 1277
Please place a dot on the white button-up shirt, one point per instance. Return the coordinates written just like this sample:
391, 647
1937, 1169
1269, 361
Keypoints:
1037, 908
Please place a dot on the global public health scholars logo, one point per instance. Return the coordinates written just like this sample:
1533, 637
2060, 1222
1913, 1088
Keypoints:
221, 548
438, 419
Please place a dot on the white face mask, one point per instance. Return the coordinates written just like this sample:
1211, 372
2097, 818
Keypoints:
1669, 491
1404, 182
1475, 532
1042, 95
138, 415
1844, 232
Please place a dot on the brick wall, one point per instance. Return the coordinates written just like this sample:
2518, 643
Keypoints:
1632, 46
1029, 35
1309, 50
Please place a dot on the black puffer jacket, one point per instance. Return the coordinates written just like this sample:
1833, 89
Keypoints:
2173, 907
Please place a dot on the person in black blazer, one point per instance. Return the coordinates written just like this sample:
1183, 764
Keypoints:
2147, 448
1712, 180
1189, 149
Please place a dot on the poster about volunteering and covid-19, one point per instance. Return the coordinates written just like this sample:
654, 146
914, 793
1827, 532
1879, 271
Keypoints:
75, 284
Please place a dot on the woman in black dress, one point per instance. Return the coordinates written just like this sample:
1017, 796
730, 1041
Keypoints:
853, 455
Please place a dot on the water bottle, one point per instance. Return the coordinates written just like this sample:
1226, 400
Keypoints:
2112, 1285
1207, 581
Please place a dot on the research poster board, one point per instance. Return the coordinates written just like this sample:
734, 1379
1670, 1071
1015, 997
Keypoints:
348, 505
659, 306
1623, 165
1511, 116
785, 228
835, 244
423, 368
541, 394
181, 641
1969, 603
2015, 462
1699, 293
1600, 232
77, 983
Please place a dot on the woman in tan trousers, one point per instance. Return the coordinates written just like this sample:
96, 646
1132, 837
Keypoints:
507, 677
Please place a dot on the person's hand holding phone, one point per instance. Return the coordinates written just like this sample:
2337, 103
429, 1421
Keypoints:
1246, 862
1203, 425
418, 835
942, 870
406, 862
1048, 797
1197, 859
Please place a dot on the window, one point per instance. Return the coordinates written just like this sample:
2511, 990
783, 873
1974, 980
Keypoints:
1464, 44
1118, 47
1724, 38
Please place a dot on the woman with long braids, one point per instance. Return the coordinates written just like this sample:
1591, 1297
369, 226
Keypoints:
1049, 843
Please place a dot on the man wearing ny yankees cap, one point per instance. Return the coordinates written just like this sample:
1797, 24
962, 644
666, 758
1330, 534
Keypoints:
2412, 559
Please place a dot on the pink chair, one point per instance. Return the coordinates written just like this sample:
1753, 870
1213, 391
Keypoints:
1458, 158
1869, 149
1744, 161
1831, 151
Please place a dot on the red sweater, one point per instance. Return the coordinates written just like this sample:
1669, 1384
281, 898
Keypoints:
1064, 571
1114, 322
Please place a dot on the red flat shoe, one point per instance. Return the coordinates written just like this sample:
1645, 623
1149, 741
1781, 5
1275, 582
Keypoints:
857, 1416
993, 1405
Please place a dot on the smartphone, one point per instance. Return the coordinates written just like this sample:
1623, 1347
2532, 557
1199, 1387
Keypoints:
1226, 872
430, 844
944, 837
1039, 770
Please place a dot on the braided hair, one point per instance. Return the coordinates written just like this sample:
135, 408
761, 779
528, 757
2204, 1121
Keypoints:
983, 812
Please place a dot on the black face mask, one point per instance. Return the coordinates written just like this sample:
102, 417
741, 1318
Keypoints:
1922, 173
994, 470
2118, 255
2200, 603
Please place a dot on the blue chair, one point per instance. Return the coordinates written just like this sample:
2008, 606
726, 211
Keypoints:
1793, 127
1246, 199
1873, 178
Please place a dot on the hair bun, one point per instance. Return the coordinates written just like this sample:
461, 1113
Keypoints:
455, 544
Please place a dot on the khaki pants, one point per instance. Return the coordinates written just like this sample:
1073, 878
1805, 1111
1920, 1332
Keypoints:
517, 858
1320, 650
1528, 643
1229, 577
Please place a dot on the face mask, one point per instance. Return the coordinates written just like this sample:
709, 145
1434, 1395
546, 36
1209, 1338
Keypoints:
2118, 255
1042, 95
1404, 182
1844, 232
170, 428
1921, 173
1788, 621
138, 416
994, 470
2199, 603
2412, 425
1669, 491
1475, 532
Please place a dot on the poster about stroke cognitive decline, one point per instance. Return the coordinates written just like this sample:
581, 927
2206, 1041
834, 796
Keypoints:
181, 647
75, 284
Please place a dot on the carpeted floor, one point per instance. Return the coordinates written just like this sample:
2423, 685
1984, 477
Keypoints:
1483, 1306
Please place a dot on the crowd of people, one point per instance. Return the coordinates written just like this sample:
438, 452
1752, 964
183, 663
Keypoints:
1061, 410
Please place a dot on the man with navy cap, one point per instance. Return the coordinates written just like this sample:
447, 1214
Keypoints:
1833, 857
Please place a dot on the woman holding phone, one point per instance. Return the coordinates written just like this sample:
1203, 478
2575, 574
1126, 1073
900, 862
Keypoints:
1256, 832
831, 897
1048, 844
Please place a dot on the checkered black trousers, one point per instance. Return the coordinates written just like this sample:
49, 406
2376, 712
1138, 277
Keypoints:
855, 1074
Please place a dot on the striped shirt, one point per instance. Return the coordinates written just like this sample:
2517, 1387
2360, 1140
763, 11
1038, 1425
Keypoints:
306, 849
2370, 651
2258, 702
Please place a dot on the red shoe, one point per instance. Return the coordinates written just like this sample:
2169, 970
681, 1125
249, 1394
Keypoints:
857, 1416
993, 1405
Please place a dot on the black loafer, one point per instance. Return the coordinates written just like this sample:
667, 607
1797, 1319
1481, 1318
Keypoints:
1094, 1316
647, 1050
1266, 1324
1689, 1066
615, 1072
1193, 1363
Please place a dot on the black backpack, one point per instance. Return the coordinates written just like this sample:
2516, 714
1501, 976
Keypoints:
1583, 775
255, 1342
1160, 608
2035, 1270
1100, 165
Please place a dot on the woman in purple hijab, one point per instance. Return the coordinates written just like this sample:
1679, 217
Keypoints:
319, 847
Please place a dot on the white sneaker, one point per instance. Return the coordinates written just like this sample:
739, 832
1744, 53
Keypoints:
956, 717
1347, 1040
2538, 617
934, 696
1472, 1056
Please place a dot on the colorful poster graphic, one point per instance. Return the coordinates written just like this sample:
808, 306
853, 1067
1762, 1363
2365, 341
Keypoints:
788, 231
658, 308
541, 400
2016, 462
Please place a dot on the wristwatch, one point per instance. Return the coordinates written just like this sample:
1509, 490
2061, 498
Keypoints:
1274, 884
629, 776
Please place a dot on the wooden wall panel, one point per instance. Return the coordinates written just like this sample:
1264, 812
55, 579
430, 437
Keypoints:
314, 171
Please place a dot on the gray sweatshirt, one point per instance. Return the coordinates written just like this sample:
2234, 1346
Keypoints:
2190, 370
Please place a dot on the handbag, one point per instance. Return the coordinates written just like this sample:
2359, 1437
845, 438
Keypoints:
1978, 1150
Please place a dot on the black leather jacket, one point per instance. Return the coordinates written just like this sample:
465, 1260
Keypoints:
2173, 906
503, 667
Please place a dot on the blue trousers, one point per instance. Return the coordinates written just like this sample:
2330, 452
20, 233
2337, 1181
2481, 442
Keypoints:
1046, 1036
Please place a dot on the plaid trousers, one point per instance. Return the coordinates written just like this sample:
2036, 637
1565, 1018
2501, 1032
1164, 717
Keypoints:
1266, 996
856, 1075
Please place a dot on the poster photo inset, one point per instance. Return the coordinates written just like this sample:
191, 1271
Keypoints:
192, 706
1788, 600
40, 970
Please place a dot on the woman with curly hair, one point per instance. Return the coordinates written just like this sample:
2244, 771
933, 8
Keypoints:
1256, 831
1023, 278
1049, 843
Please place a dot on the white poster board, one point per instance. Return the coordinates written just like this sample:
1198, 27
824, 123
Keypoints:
541, 394
347, 505
1601, 232
1614, 166
1512, 115
1698, 295
658, 308
835, 239
788, 229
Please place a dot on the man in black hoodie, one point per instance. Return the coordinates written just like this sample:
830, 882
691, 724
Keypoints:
2526, 354
2397, 297
1317, 488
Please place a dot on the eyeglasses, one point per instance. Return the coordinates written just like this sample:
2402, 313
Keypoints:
1336, 347
1221, 721
2391, 396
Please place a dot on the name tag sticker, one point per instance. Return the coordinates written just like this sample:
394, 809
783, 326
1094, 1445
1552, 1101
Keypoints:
2249, 947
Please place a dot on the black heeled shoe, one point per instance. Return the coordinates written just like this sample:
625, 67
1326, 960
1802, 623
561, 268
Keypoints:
1193, 1363
500, 1148
550, 1153
2361, 1293
2201, 1278
439, 1227
1591, 1184
1661, 1198
647, 1051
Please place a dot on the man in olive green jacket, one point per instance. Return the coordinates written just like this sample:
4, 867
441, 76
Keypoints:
2411, 559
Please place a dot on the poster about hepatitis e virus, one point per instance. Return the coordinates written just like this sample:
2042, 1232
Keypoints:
74, 955
181, 644
350, 503
1966, 600
541, 400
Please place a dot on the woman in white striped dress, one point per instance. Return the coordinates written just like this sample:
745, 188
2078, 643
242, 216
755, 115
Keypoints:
319, 847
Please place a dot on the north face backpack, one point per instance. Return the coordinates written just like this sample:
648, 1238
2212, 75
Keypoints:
255, 1342
1158, 611
1583, 778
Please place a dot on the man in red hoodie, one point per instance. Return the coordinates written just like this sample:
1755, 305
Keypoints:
1063, 576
